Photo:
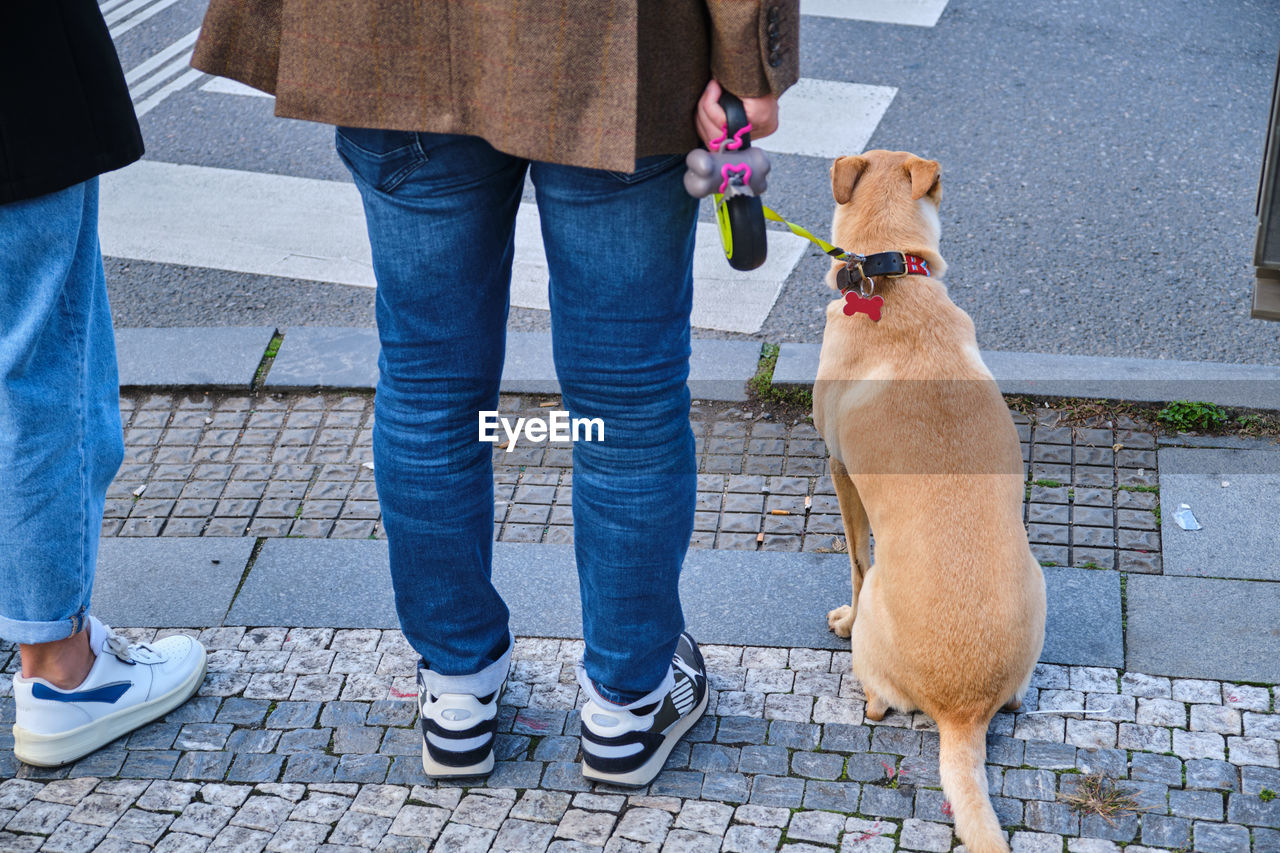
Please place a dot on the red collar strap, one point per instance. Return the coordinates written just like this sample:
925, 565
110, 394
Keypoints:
856, 279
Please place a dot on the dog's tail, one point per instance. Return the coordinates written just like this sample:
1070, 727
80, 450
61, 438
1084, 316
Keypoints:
962, 766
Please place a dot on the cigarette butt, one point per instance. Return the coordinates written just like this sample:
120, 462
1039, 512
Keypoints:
503, 445
1117, 447
808, 502
779, 512
548, 404
760, 536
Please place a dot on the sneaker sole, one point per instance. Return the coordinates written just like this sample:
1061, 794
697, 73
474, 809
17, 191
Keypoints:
444, 771
54, 750
644, 774
436, 770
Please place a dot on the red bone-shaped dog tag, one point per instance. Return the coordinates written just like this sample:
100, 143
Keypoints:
855, 303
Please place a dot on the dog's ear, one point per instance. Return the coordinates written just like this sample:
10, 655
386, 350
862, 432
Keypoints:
925, 178
844, 175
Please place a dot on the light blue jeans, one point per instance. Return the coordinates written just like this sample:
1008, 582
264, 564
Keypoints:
441, 215
60, 437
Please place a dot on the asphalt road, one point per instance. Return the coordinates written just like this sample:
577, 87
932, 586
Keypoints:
1100, 165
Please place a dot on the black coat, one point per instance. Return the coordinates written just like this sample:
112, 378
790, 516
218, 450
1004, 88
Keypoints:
65, 112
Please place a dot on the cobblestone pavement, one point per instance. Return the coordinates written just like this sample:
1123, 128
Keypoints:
305, 739
295, 465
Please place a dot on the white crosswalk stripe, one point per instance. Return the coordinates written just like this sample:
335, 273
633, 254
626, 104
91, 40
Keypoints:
159, 69
147, 105
918, 13
144, 13
825, 118
723, 298
150, 64
106, 7
310, 229
227, 86
232, 220
119, 12
165, 73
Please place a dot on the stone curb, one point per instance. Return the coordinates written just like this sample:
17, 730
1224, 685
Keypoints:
328, 357
217, 358
346, 358
317, 356
729, 597
1145, 380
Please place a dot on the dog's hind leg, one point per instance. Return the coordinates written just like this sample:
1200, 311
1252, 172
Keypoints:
1016, 702
877, 707
857, 533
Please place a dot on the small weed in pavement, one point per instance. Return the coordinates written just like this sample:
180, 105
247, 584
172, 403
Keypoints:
1077, 412
763, 390
1253, 424
268, 357
1184, 416
1266, 795
838, 546
1099, 795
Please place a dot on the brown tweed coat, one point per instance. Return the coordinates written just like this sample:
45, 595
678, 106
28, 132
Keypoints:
594, 83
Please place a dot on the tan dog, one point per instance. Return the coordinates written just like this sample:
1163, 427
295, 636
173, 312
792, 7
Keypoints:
950, 618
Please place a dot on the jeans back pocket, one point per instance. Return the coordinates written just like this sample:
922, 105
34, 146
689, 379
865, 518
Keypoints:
383, 159
648, 167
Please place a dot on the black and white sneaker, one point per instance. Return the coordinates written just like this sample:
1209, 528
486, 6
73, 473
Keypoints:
628, 744
459, 716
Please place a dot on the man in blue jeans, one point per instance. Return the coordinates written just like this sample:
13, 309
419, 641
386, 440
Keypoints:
597, 104
70, 119
441, 213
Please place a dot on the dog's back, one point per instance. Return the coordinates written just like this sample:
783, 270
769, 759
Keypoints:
933, 452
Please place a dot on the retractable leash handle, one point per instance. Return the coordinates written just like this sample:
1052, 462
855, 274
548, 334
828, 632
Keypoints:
733, 173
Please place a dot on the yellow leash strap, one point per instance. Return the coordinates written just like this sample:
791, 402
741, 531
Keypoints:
833, 251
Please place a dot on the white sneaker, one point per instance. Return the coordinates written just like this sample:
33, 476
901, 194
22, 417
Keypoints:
628, 745
459, 718
128, 686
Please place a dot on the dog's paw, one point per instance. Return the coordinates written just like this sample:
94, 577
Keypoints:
840, 620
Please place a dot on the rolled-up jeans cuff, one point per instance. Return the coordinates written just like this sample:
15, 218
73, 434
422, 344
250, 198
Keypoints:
486, 681
607, 695
33, 633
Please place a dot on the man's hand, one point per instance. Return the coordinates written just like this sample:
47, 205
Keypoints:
710, 119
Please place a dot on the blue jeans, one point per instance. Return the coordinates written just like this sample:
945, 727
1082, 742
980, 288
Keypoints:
441, 215
60, 437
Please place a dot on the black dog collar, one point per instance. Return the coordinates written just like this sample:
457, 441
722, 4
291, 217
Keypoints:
858, 270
